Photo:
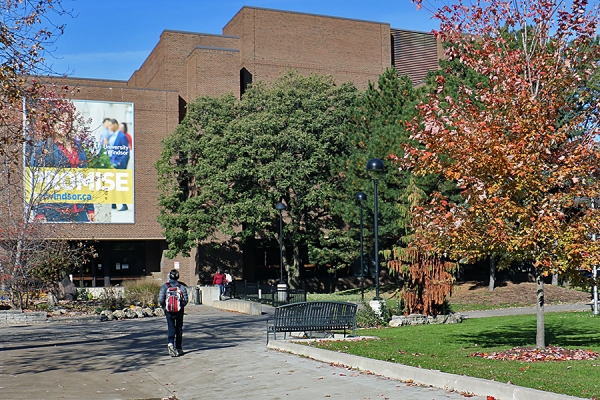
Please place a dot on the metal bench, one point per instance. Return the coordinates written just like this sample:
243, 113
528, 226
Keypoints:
313, 316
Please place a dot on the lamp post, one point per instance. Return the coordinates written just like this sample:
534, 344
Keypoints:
375, 165
360, 197
280, 207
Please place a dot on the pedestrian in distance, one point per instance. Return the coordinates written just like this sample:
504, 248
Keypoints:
228, 284
173, 298
219, 281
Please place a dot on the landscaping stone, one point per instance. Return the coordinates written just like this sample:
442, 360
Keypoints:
148, 312
138, 312
159, 312
419, 319
129, 313
108, 314
67, 289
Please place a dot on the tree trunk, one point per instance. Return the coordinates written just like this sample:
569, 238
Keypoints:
540, 337
555, 279
492, 274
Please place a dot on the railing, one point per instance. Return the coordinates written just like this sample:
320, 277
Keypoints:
268, 294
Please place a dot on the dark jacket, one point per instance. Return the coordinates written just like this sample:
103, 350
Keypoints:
162, 295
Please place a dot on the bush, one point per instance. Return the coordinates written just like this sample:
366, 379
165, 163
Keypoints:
111, 299
84, 294
143, 293
366, 317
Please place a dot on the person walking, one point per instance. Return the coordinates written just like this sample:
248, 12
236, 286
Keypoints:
219, 281
228, 284
173, 298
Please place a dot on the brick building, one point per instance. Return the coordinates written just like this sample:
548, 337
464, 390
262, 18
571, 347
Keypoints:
257, 44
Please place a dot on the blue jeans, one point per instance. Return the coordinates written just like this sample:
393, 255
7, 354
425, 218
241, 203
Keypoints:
175, 328
221, 290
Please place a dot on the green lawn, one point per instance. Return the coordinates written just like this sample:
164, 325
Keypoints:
447, 348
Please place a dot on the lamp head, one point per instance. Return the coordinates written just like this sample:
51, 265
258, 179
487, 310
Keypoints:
375, 165
280, 206
360, 196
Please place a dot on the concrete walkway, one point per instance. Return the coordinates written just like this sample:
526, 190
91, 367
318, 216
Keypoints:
226, 358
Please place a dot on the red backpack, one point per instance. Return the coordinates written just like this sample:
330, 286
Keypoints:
173, 298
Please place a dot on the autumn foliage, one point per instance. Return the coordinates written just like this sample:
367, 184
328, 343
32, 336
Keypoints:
520, 146
427, 280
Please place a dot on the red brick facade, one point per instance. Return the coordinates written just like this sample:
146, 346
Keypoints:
257, 44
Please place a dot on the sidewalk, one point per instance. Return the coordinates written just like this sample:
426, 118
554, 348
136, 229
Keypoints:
226, 358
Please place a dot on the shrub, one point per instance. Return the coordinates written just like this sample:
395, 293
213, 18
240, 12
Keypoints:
111, 299
143, 293
366, 317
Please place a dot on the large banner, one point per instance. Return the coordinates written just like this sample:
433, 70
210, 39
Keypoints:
83, 173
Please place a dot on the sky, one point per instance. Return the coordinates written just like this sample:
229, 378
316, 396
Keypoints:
110, 39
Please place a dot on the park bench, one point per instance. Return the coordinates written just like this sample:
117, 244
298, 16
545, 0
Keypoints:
313, 316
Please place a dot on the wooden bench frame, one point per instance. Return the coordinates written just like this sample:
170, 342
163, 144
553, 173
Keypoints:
313, 316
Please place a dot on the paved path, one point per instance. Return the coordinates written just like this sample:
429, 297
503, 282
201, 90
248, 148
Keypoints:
226, 359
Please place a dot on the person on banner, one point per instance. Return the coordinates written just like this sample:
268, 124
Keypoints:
61, 150
123, 128
118, 150
173, 298
104, 132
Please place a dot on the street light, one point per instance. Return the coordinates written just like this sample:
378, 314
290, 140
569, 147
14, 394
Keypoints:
360, 197
375, 165
280, 207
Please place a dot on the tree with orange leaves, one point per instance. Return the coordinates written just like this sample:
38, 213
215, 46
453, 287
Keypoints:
521, 148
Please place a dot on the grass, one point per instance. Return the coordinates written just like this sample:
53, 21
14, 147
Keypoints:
460, 307
447, 348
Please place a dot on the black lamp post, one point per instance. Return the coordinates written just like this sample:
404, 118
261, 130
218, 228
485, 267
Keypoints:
375, 165
360, 197
280, 207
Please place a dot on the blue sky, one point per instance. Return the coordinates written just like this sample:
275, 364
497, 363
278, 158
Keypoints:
110, 39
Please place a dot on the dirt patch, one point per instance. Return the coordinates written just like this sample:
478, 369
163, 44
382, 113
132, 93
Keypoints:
514, 294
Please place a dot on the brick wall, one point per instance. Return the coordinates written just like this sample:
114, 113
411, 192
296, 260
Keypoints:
274, 41
213, 71
167, 66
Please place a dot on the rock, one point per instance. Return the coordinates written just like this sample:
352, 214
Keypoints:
118, 314
52, 300
138, 311
67, 290
129, 313
58, 312
148, 312
159, 312
418, 319
107, 314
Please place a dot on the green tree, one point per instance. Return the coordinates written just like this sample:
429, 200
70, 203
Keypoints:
379, 127
229, 163
194, 175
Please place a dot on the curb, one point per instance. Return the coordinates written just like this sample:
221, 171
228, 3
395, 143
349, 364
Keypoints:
425, 377
83, 318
